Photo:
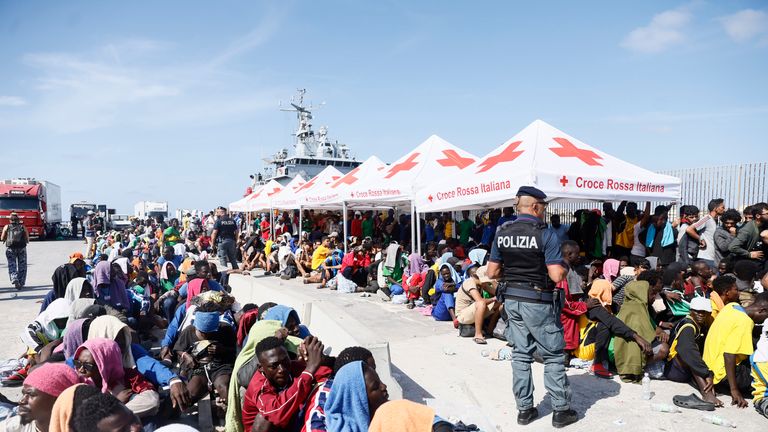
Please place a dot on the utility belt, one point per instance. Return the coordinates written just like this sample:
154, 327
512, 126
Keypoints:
526, 291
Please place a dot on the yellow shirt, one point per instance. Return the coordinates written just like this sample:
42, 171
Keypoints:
626, 238
730, 333
319, 256
717, 303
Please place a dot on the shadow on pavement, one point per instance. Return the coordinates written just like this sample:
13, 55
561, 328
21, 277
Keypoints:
411, 389
586, 390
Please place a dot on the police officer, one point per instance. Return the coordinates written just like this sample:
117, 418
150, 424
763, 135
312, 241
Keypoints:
526, 257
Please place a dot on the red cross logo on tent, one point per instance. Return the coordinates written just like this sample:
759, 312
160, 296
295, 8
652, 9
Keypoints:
567, 149
405, 165
509, 154
274, 191
430, 198
564, 181
307, 185
347, 179
256, 195
452, 158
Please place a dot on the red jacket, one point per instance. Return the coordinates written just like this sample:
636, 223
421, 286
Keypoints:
279, 406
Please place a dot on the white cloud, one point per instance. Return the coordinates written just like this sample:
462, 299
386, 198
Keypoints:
133, 83
663, 32
745, 25
12, 101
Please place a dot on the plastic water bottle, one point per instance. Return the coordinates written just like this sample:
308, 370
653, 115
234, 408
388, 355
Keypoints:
666, 408
717, 420
647, 395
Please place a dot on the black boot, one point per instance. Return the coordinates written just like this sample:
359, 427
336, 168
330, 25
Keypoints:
564, 418
526, 416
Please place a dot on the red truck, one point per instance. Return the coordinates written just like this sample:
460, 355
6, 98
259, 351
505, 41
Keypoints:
38, 204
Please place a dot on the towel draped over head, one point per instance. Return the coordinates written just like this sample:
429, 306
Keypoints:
64, 408
194, 288
634, 313
346, 409
416, 265
282, 313
602, 290
110, 327
61, 277
74, 289
611, 269
392, 255
74, 337
402, 416
478, 255
106, 355
52, 378
58, 309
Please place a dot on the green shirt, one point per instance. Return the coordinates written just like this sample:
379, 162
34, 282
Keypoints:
465, 229
367, 227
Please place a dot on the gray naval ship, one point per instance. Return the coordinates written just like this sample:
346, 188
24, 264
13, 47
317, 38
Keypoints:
312, 151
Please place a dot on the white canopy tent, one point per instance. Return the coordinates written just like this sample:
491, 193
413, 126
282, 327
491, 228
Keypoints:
260, 199
543, 156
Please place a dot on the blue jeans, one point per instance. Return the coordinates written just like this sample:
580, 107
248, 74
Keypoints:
531, 327
17, 265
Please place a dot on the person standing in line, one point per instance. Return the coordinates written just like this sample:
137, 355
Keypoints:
90, 234
527, 258
74, 221
16, 237
225, 234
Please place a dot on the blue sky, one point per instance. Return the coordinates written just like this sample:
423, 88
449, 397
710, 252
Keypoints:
178, 100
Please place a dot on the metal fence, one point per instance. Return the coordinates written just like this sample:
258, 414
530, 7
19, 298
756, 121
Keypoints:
739, 185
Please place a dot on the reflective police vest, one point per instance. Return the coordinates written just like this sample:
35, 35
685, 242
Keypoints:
522, 249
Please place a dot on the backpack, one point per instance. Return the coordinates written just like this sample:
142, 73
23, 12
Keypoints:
15, 236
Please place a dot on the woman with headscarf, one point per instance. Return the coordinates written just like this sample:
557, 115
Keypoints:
356, 394
110, 286
448, 282
413, 278
67, 404
630, 358
99, 363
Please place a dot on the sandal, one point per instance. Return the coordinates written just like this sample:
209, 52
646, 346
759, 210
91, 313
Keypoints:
693, 402
480, 341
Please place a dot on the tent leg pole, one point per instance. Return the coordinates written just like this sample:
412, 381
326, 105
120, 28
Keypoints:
300, 222
413, 227
272, 223
418, 233
344, 228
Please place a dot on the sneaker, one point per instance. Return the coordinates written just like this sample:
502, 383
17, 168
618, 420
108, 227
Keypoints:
600, 371
16, 379
284, 277
525, 417
564, 418
382, 295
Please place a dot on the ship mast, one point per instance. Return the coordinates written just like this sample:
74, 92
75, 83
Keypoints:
305, 136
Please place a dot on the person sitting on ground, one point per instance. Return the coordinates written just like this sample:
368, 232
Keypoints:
169, 255
573, 306
684, 362
289, 318
724, 291
110, 283
476, 303
46, 328
314, 411
354, 267
413, 278
303, 258
331, 267
627, 275
321, 252
729, 345
99, 363
447, 284
759, 363
630, 357
356, 394
67, 405
206, 352
279, 388
407, 416
104, 413
699, 283
41, 388
61, 278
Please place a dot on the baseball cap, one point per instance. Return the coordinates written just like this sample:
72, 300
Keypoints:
531, 191
90, 212
701, 304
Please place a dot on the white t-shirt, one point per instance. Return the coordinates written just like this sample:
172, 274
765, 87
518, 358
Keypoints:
706, 228
638, 248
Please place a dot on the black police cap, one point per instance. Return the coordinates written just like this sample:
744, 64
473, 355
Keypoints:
531, 191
